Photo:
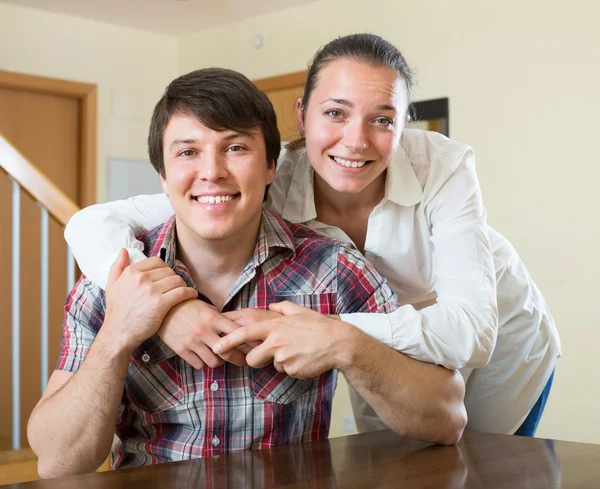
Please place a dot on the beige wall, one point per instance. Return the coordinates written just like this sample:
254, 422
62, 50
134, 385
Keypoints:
523, 79
130, 67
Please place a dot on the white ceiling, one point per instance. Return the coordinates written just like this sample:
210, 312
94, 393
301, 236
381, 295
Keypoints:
175, 17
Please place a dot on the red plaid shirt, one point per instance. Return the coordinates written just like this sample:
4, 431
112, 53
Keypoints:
171, 411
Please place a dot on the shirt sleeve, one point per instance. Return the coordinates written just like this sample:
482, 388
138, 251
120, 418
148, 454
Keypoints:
460, 329
84, 313
97, 233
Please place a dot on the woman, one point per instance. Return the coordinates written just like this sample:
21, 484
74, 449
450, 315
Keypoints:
410, 201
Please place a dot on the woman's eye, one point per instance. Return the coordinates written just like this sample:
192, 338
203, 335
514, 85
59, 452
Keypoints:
334, 114
384, 121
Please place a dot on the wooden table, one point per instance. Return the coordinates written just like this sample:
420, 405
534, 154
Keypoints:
373, 460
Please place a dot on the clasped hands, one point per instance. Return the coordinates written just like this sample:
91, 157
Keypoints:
300, 342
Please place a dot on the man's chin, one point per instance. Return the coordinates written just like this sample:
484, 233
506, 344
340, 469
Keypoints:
214, 234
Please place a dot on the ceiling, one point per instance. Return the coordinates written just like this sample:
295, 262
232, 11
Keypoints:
174, 17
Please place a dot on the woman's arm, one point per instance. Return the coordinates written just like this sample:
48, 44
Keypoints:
460, 329
97, 233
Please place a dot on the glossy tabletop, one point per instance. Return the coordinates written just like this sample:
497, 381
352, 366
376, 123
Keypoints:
373, 460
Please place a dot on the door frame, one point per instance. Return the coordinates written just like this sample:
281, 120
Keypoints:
86, 93
281, 82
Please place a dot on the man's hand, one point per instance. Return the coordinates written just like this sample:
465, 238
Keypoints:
139, 296
302, 343
247, 316
192, 328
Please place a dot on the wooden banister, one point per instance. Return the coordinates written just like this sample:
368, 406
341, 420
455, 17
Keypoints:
36, 183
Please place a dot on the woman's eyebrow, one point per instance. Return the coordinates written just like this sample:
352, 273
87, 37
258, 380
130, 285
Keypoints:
347, 103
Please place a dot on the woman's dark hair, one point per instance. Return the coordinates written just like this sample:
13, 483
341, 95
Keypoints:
366, 48
220, 99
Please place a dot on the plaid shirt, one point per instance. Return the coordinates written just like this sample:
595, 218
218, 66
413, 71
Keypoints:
170, 411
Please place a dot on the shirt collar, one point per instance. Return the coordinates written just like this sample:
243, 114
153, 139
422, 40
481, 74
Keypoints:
401, 187
164, 244
273, 233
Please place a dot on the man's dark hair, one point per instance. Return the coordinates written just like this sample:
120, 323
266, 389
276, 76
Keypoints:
220, 99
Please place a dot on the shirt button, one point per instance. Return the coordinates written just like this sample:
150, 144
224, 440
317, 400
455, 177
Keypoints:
214, 386
145, 358
216, 441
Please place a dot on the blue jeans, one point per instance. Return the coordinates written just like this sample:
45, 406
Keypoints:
529, 426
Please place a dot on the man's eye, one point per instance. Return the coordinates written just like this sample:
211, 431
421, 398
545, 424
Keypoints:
235, 149
187, 152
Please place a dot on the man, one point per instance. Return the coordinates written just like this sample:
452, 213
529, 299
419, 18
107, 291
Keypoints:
214, 141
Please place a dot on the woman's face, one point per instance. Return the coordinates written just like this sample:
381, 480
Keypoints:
353, 123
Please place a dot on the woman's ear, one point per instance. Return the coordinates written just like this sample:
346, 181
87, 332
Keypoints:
300, 115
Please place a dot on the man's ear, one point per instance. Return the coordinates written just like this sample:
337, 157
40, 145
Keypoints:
271, 172
300, 115
164, 185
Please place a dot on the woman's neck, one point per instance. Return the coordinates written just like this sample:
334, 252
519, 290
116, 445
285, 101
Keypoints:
330, 201
349, 212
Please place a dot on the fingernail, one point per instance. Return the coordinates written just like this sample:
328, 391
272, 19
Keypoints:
217, 348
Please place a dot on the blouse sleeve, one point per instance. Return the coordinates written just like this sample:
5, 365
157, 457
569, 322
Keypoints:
97, 233
460, 329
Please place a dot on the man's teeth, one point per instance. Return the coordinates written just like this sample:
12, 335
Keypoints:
348, 163
214, 199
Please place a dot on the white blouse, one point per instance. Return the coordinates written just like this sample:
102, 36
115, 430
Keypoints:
461, 284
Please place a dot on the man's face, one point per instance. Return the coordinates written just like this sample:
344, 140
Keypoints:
215, 180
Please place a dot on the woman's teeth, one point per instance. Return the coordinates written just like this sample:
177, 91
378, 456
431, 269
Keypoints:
348, 163
214, 199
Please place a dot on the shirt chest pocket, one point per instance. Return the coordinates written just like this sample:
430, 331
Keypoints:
155, 387
267, 384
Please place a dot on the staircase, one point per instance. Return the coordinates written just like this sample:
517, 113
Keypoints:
18, 462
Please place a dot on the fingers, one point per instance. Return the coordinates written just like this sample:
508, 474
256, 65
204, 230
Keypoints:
158, 274
234, 356
149, 264
118, 266
261, 356
193, 359
207, 356
177, 295
287, 308
169, 283
224, 325
252, 332
243, 317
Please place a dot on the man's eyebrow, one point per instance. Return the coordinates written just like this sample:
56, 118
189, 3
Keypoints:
347, 103
180, 142
239, 133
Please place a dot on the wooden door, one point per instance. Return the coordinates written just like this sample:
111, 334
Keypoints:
46, 129
283, 91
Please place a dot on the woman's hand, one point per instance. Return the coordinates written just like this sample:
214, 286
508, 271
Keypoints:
299, 341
